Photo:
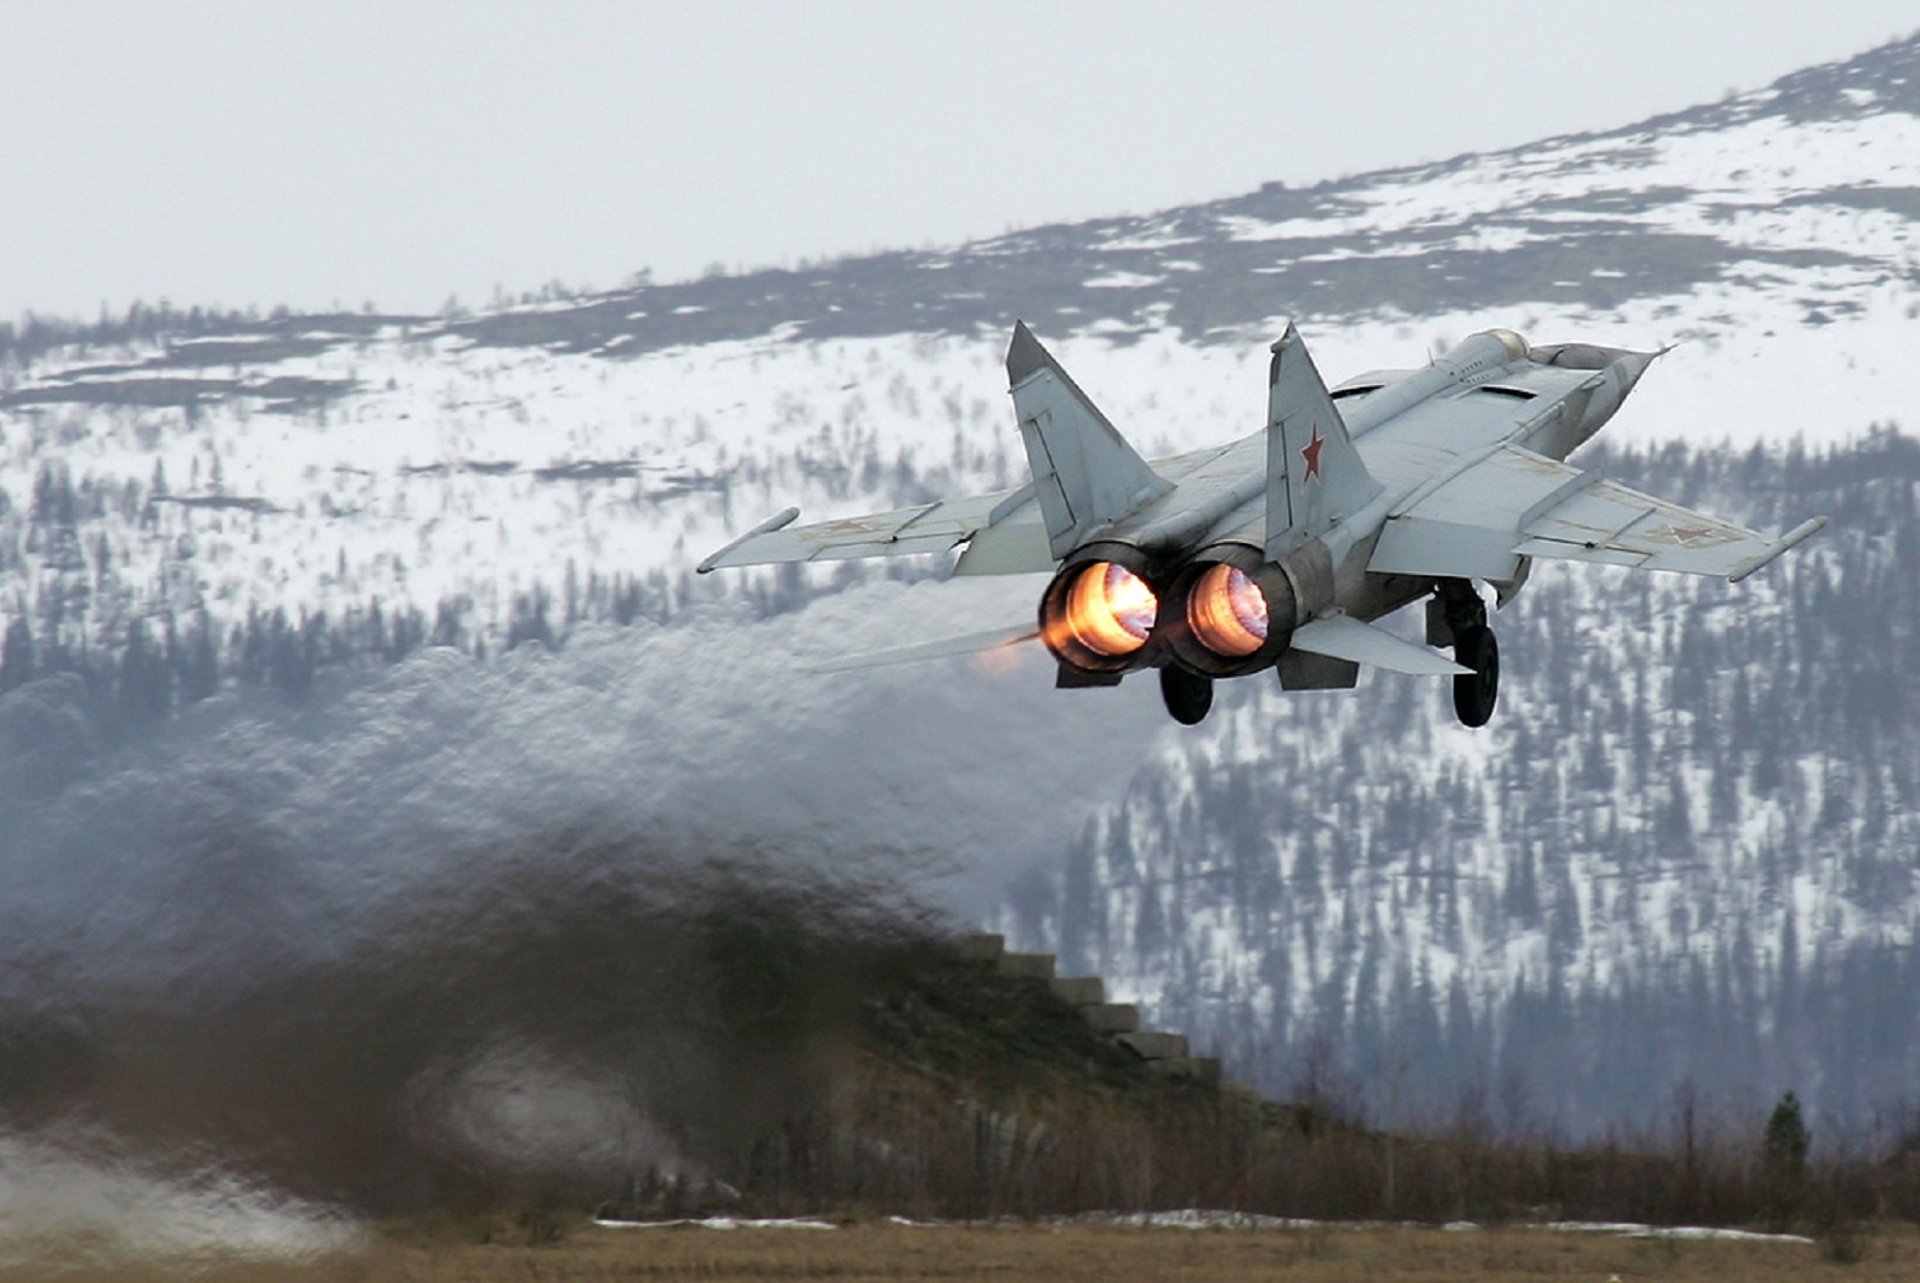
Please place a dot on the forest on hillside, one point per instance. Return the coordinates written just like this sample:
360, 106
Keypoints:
1683, 862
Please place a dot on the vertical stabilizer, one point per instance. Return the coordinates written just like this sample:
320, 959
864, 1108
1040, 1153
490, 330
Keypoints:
1084, 473
1314, 474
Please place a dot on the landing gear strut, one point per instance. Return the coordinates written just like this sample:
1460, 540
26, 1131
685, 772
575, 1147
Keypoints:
1475, 693
1188, 696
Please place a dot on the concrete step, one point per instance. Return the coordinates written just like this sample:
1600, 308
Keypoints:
1081, 991
1026, 966
1112, 1017
1164, 1053
1204, 1068
1155, 1046
982, 946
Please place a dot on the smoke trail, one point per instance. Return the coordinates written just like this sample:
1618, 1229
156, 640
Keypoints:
62, 1202
562, 915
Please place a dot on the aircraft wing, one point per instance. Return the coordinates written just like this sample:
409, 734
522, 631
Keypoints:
1003, 532
1479, 519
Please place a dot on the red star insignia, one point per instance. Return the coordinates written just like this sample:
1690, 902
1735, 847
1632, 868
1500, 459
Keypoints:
1311, 452
1687, 535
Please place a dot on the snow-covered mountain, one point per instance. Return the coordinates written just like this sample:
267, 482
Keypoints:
1686, 846
1686, 850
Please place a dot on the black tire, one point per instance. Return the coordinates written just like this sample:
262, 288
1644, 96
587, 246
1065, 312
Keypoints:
1188, 696
1475, 695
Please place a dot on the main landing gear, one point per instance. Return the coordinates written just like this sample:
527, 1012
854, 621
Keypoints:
1475, 693
1455, 617
1188, 696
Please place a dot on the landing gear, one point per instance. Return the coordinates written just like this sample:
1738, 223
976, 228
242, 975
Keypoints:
1188, 696
1464, 617
1475, 693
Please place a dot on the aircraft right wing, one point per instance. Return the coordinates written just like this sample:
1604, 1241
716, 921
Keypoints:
1506, 503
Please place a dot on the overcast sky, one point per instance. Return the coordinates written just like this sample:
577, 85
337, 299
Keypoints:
230, 152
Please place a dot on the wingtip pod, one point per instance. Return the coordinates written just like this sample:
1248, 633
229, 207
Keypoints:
1794, 537
778, 521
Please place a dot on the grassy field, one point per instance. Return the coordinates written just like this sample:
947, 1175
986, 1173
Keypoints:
1057, 1254
1015, 1253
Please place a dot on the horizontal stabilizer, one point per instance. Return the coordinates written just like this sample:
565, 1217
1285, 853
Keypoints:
971, 644
1344, 637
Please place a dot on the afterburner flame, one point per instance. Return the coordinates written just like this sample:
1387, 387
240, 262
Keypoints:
1228, 612
1110, 610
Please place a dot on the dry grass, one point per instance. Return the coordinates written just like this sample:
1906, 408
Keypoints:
1067, 1254
81, 1267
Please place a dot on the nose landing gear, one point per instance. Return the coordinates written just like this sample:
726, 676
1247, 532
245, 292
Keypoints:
1188, 696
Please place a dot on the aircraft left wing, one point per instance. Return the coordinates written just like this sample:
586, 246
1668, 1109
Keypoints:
1003, 533
1478, 520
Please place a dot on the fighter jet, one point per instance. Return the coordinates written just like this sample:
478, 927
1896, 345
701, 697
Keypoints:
1281, 549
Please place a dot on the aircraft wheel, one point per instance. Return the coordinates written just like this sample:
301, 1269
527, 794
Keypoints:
1188, 696
1475, 694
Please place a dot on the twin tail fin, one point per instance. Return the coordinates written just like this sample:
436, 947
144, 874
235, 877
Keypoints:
1085, 475
1314, 473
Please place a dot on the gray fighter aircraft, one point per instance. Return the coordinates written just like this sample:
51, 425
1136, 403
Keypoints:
1281, 549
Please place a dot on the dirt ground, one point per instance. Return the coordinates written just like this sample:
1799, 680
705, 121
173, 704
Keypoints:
1063, 1254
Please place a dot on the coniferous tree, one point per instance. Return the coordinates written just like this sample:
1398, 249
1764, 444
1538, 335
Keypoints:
16, 654
1787, 1140
146, 681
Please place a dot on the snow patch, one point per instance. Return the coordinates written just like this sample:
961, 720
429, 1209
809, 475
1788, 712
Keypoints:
721, 1223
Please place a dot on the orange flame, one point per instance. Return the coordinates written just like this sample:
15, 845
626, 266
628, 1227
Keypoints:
1110, 610
1228, 612
998, 661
